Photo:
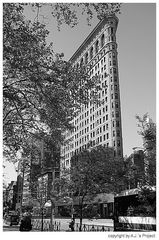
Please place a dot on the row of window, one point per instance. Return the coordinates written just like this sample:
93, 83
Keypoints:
99, 130
105, 109
95, 49
93, 143
98, 121
111, 63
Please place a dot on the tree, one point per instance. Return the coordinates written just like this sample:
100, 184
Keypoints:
135, 170
147, 202
67, 13
41, 92
148, 133
93, 171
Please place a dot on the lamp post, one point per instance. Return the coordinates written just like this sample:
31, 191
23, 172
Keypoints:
49, 204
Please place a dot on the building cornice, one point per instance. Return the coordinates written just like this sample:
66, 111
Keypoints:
94, 32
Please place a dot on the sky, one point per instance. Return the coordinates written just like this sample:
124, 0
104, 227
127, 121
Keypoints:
136, 39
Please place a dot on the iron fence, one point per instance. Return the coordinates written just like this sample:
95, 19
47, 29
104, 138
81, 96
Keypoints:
37, 223
93, 228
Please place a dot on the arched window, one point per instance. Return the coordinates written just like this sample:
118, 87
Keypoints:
86, 58
97, 46
81, 63
102, 40
91, 53
116, 96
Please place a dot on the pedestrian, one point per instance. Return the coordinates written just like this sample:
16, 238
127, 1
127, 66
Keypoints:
72, 224
25, 224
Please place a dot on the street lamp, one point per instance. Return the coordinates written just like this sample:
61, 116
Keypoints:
49, 204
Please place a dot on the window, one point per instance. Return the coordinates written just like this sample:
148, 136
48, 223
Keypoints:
113, 133
107, 135
113, 54
102, 40
118, 133
91, 53
116, 96
86, 58
116, 105
81, 63
97, 46
115, 79
117, 114
117, 123
118, 143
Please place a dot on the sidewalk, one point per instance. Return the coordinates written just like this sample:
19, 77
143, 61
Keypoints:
64, 223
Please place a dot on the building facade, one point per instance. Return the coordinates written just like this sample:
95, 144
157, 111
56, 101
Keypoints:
100, 124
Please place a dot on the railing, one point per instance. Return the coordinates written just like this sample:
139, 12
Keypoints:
130, 223
36, 224
93, 228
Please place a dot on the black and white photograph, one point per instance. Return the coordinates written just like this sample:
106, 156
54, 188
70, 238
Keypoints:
79, 118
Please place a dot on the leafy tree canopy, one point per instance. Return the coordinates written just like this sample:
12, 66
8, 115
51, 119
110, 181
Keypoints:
93, 171
41, 92
68, 13
148, 132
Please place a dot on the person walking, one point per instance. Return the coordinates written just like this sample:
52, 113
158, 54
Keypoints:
25, 224
72, 224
